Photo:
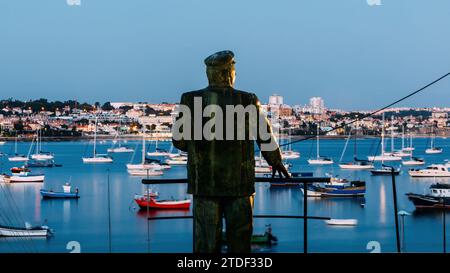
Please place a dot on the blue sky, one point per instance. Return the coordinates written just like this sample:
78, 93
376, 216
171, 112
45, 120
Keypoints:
354, 55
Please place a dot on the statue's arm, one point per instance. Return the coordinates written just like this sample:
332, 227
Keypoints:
273, 154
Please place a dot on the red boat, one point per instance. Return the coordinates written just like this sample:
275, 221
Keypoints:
145, 203
19, 169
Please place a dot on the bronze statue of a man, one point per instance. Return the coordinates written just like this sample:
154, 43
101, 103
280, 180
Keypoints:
221, 172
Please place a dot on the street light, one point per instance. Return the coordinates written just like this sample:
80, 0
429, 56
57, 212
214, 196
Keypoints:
403, 213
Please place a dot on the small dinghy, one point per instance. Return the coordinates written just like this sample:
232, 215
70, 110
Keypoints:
385, 170
66, 193
27, 231
258, 239
351, 189
342, 222
144, 203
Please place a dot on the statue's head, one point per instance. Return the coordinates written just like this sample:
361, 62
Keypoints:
220, 69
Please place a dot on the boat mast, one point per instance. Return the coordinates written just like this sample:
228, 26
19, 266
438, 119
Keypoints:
403, 137
432, 136
318, 149
392, 133
356, 132
143, 147
382, 136
95, 137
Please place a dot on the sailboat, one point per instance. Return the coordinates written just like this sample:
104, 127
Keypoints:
432, 149
320, 160
410, 148
402, 152
289, 153
120, 148
141, 168
384, 156
97, 158
40, 155
17, 157
357, 164
158, 151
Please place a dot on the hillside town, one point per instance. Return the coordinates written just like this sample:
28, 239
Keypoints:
71, 119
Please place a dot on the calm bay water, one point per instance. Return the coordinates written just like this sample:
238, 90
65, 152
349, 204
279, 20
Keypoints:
86, 220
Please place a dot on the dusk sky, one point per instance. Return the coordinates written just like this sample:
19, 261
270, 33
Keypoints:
354, 55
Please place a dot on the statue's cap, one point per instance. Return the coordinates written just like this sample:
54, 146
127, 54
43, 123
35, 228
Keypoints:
220, 58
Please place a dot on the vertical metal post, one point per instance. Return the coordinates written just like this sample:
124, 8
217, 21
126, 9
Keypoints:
403, 233
443, 227
305, 219
148, 216
394, 192
109, 216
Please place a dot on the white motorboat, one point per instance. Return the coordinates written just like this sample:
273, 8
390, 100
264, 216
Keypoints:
28, 231
319, 160
145, 172
122, 149
414, 161
97, 158
435, 170
25, 177
2, 142
342, 222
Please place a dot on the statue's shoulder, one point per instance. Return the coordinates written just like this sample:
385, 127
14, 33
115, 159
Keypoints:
246, 95
194, 93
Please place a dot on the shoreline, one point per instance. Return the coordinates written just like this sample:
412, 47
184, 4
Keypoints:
150, 138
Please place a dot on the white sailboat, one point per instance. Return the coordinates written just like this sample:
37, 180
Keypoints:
289, 153
402, 152
40, 155
410, 147
97, 158
356, 164
384, 156
432, 149
158, 151
319, 160
17, 157
177, 160
144, 165
120, 148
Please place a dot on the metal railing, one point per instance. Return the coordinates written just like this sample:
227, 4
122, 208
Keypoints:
293, 180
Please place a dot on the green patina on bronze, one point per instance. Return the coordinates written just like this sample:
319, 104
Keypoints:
221, 173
